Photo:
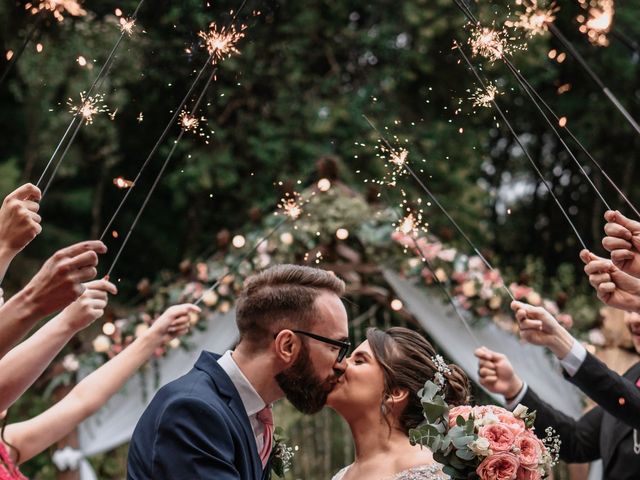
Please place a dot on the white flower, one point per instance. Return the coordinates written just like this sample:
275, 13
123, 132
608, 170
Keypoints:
101, 343
520, 411
488, 419
480, 446
210, 298
70, 363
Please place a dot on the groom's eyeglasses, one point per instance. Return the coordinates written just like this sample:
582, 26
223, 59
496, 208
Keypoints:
344, 346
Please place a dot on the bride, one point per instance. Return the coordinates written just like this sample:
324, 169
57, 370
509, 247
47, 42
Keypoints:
377, 396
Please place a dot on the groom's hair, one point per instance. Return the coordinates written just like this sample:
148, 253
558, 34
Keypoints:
281, 297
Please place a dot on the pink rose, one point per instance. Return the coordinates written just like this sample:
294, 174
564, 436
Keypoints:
501, 466
526, 474
520, 291
500, 436
530, 450
402, 239
516, 425
461, 411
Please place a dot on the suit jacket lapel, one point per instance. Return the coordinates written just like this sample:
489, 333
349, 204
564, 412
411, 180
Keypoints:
208, 362
616, 431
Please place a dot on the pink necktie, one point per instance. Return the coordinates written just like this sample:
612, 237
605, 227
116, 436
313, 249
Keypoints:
266, 417
638, 383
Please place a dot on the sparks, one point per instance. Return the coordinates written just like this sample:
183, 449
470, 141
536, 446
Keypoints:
484, 97
88, 107
221, 43
127, 25
122, 182
399, 158
597, 24
57, 8
535, 19
490, 43
188, 122
290, 205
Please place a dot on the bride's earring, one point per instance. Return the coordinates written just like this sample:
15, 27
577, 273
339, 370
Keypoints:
383, 406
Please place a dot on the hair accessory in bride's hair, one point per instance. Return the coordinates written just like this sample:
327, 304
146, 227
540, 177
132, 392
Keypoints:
442, 369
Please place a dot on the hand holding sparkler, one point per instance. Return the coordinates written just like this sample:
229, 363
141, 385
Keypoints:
19, 223
539, 327
614, 287
623, 241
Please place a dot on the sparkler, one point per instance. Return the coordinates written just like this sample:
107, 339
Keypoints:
221, 42
488, 42
88, 107
127, 25
535, 19
439, 205
290, 206
104, 70
166, 130
524, 149
122, 183
188, 122
156, 181
57, 8
415, 236
483, 97
596, 24
538, 100
555, 31
153, 186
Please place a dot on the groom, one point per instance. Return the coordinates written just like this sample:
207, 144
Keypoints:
215, 422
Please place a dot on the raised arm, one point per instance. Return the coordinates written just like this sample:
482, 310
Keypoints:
19, 223
33, 436
617, 395
56, 285
26, 362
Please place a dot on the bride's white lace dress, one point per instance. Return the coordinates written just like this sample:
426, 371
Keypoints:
426, 472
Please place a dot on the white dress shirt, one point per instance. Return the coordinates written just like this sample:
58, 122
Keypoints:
571, 364
251, 400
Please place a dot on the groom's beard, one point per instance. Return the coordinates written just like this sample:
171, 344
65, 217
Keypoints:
302, 387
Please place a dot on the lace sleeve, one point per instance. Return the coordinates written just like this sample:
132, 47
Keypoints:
426, 472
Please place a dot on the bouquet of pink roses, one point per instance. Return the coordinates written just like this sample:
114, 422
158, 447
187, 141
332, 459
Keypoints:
484, 442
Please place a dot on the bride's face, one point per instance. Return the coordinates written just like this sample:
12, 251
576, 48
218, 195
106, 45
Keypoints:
361, 388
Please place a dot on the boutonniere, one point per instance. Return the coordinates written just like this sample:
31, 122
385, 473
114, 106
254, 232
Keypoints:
282, 454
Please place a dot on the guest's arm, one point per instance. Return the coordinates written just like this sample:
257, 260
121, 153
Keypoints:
26, 362
56, 285
33, 436
19, 223
580, 438
615, 394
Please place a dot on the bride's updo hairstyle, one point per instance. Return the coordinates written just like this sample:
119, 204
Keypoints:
406, 358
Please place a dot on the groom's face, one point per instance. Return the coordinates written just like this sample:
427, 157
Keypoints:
308, 382
633, 324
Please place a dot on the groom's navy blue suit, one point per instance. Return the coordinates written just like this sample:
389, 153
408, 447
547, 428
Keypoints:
196, 427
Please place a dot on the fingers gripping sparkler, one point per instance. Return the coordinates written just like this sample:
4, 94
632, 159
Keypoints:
438, 204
